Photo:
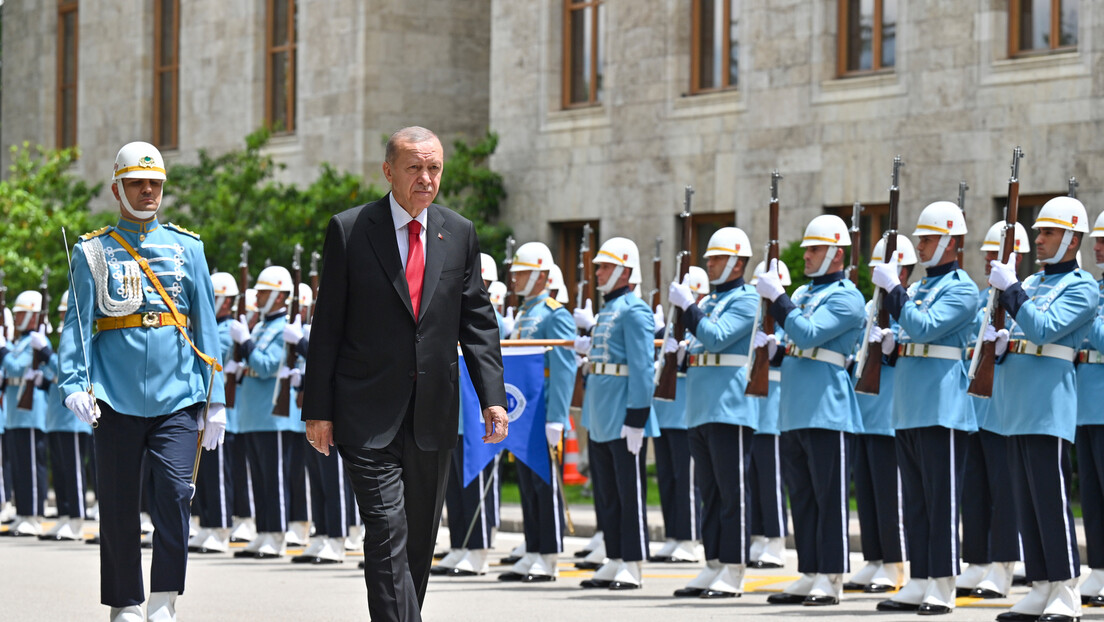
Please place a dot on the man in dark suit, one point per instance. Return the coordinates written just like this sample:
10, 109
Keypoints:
400, 287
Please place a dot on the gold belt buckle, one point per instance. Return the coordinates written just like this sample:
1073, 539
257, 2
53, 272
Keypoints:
151, 319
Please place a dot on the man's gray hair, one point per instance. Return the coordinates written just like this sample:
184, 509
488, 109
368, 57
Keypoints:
411, 135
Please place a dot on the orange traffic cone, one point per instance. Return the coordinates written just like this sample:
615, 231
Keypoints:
571, 474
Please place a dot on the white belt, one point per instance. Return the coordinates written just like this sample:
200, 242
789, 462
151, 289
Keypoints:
15, 382
930, 351
1090, 357
718, 360
609, 369
1053, 350
774, 375
818, 354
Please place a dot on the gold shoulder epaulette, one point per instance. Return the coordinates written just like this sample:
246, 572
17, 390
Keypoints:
176, 227
553, 303
96, 233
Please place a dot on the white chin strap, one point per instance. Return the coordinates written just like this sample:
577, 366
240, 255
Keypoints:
937, 256
25, 323
1067, 237
130, 211
727, 272
529, 284
829, 257
615, 276
264, 311
218, 302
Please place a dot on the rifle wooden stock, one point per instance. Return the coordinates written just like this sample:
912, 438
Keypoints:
585, 266
314, 303
758, 375
667, 382
282, 405
231, 387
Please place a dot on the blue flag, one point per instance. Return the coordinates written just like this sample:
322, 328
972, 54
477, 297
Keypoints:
523, 372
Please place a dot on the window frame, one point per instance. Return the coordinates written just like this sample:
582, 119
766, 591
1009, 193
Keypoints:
163, 71
570, 6
271, 50
1014, 23
842, 38
695, 50
66, 90
569, 235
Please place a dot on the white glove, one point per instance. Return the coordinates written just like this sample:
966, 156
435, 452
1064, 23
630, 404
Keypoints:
83, 406
214, 426
293, 332
889, 340
283, 372
769, 285
998, 337
239, 330
553, 432
886, 275
231, 367
1003, 275
679, 293
296, 377
584, 318
658, 319
582, 344
634, 438
670, 345
38, 338
29, 375
38, 379
508, 321
763, 339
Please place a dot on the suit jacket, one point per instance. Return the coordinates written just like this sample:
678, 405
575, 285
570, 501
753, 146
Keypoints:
368, 355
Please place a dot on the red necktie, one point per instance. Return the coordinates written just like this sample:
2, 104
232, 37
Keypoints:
415, 265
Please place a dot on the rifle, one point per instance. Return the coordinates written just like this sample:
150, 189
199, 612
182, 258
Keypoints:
868, 365
239, 310
981, 365
856, 242
758, 366
667, 377
3, 327
585, 266
511, 295
282, 403
26, 399
657, 273
962, 188
1073, 187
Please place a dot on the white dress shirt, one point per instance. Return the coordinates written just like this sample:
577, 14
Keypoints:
402, 235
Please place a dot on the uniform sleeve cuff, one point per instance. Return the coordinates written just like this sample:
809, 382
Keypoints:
895, 300
636, 417
691, 317
1013, 298
247, 348
780, 309
302, 346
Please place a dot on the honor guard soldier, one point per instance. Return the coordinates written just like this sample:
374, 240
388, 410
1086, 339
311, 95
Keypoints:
556, 289
875, 473
68, 439
678, 492
818, 414
1090, 436
766, 497
542, 317
267, 438
990, 537
146, 289
26, 428
720, 418
7, 508
617, 412
935, 319
1053, 312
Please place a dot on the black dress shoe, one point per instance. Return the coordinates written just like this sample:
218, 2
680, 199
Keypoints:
618, 586
718, 594
202, 550
458, 572
509, 561
51, 538
593, 583
851, 586
360, 565
1014, 616
785, 599
659, 559
511, 576
896, 605
440, 554
93, 540
1086, 599
538, 578
878, 588
583, 553
984, 593
820, 601
963, 592
689, 592
1018, 580
323, 561
764, 565
1057, 617
266, 555
434, 570
1096, 601
929, 609
588, 565
304, 559
245, 554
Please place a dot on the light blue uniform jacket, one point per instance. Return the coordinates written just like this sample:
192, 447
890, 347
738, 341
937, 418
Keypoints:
768, 406
258, 387
15, 364
58, 417
1090, 376
877, 410
542, 317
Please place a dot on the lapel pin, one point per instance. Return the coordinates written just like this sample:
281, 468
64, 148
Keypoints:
440, 237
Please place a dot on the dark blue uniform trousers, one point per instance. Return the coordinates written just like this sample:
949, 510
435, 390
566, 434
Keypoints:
620, 494
766, 496
722, 453
67, 467
5, 471
541, 510
1090, 468
28, 462
214, 500
241, 482
169, 444
330, 493
989, 530
467, 505
679, 495
814, 465
878, 498
269, 453
300, 495
1039, 467
931, 461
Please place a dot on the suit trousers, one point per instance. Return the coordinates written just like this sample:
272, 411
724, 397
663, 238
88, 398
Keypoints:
814, 465
542, 512
679, 496
767, 498
931, 461
1090, 468
400, 490
28, 462
214, 500
878, 499
989, 530
721, 453
67, 469
168, 443
1039, 466
621, 491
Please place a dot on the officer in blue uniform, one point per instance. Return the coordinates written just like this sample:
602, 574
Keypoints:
876, 477
7, 509
721, 419
617, 412
543, 317
818, 413
26, 429
678, 493
936, 320
146, 289
1090, 436
1053, 312
990, 538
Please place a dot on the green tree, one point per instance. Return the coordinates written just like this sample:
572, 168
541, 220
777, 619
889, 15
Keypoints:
477, 192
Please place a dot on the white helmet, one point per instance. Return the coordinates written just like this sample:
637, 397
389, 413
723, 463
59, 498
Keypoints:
906, 253
488, 269
224, 284
29, 301
944, 219
829, 230
728, 241
698, 280
497, 293
531, 256
556, 284
306, 295
783, 273
251, 300
1062, 213
622, 253
1098, 228
63, 304
992, 240
137, 160
276, 278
